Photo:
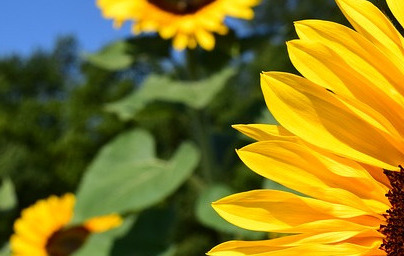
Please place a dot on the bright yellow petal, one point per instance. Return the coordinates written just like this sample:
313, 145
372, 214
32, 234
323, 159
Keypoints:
103, 223
323, 176
345, 249
397, 8
378, 175
323, 66
31, 232
374, 184
368, 20
21, 246
262, 132
243, 13
180, 42
317, 117
268, 247
205, 39
278, 211
358, 53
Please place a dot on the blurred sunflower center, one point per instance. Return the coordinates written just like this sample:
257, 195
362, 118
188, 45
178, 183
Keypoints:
65, 242
393, 230
180, 6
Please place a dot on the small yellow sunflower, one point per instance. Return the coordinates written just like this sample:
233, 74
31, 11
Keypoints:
340, 143
42, 229
188, 22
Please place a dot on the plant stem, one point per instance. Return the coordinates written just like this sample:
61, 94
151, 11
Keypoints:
200, 124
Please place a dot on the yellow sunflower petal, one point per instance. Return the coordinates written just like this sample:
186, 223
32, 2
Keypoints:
103, 223
322, 65
358, 53
261, 132
278, 211
235, 11
378, 175
30, 232
205, 39
20, 246
64, 206
250, 249
180, 42
267, 247
397, 8
326, 177
374, 25
316, 116
192, 44
375, 184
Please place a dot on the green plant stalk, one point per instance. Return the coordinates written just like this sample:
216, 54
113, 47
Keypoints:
203, 138
200, 125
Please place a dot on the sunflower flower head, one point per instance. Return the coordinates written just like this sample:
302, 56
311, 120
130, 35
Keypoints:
340, 143
42, 229
188, 22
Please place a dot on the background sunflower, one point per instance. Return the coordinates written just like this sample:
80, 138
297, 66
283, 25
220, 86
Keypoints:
188, 22
43, 228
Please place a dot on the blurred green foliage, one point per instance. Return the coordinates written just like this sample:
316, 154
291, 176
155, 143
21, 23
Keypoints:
8, 195
142, 130
128, 177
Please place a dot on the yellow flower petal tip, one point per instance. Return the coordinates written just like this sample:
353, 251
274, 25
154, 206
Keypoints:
339, 147
103, 223
188, 23
43, 228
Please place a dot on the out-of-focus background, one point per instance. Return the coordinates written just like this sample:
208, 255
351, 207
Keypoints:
131, 125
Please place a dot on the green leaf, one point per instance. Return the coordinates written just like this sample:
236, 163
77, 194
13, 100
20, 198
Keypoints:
127, 176
113, 57
195, 94
122, 54
207, 215
5, 251
8, 199
101, 244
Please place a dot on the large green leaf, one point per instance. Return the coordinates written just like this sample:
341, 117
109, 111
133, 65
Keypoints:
115, 56
127, 176
8, 199
120, 55
208, 217
196, 94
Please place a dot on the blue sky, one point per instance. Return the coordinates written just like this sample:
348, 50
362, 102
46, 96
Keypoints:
26, 25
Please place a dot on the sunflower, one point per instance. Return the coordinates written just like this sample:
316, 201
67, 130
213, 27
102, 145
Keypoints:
42, 229
340, 143
188, 22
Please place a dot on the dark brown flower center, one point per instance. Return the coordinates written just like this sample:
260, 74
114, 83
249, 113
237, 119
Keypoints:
180, 6
65, 242
393, 243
